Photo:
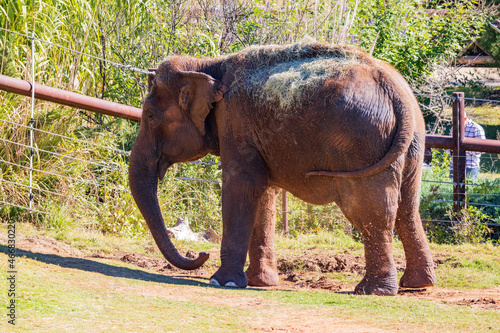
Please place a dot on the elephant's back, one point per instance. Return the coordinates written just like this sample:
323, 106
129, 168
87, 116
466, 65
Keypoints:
283, 78
346, 124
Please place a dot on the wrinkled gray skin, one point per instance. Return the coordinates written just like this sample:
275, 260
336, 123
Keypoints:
345, 130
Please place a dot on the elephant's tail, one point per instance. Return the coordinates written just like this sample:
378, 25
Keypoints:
403, 106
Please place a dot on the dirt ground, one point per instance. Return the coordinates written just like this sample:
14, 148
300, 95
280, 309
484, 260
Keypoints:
307, 270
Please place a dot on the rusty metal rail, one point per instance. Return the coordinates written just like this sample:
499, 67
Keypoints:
469, 144
459, 145
68, 98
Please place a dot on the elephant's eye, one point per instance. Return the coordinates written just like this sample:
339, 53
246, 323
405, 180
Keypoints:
150, 115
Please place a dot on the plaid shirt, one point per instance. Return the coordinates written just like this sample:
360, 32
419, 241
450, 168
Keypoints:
472, 130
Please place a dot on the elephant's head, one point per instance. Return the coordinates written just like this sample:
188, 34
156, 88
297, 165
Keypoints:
172, 130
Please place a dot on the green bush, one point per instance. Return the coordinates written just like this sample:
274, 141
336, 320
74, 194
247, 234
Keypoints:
436, 207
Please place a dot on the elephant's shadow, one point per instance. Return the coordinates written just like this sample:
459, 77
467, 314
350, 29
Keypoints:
89, 265
109, 269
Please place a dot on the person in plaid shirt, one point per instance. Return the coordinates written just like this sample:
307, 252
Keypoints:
472, 130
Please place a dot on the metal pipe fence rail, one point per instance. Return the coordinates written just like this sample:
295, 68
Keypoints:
68, 98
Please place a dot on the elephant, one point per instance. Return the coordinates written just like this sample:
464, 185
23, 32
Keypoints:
327, 123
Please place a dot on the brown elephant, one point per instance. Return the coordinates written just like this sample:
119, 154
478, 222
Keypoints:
326, 123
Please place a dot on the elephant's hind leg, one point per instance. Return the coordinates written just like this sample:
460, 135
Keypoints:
262, 270
371, 205
419, 270
381, 275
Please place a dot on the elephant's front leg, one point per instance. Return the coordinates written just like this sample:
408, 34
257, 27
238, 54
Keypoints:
262, 270
241, 193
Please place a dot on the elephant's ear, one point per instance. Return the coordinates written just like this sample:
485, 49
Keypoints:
198, 95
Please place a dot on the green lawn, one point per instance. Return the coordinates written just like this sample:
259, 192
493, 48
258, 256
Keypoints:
58, 292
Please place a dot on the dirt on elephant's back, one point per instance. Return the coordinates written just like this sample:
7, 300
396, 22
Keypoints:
312, 269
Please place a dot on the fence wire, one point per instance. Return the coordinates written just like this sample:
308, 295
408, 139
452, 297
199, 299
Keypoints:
110, 167
199, 180
100, 189
119, 151
469, 194
44, 172
443, 197
463, 202
459, 222
31, 210
461, 184
112, 63
465, 98
45, 191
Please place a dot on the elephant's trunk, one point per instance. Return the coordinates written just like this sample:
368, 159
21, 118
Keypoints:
143, 179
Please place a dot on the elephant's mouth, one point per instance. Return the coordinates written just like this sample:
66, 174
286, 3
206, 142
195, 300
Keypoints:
163, 165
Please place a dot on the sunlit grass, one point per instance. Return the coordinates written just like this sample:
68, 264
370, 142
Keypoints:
53, 297
458, 266
320, 240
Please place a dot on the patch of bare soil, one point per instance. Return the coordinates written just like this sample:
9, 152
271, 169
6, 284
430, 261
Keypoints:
47, 245
317, 270
160, 265
314, 320
314, 270
311, 269
476, 298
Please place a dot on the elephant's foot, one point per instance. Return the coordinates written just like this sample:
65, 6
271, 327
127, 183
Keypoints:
376, 285
418, 278
262, 277
228, 278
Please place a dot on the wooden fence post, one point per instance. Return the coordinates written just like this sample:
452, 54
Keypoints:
459, 160
284, 211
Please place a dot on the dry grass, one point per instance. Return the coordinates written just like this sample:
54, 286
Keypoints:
289, 83
286, 74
